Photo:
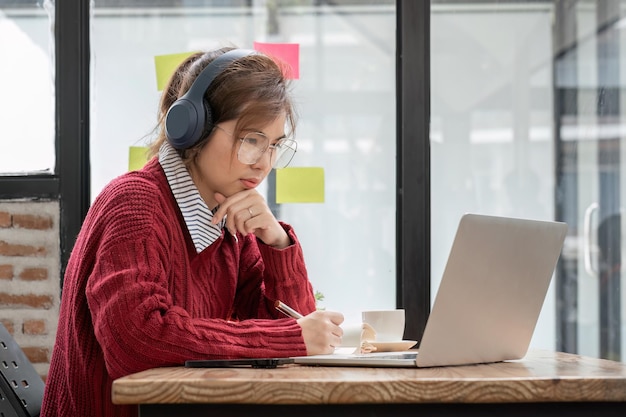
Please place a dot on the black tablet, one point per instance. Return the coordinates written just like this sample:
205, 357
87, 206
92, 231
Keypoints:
238, 363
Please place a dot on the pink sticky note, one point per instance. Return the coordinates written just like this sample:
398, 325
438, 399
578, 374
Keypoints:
288, 53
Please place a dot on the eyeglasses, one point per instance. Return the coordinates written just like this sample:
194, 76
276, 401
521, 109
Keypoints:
254, 144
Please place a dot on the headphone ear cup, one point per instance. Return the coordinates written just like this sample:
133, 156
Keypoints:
208, 119
189, 118
184, 123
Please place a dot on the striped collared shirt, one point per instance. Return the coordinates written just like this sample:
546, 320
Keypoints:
196, 213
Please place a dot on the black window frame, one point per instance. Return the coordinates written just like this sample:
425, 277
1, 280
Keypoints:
70, 183
413, 163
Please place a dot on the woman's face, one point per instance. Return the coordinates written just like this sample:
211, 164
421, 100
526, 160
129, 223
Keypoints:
217, 168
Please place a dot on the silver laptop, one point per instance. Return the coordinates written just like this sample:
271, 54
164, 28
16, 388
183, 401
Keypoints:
488, 303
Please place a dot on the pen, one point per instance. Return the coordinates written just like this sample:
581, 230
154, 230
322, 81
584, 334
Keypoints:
286, 310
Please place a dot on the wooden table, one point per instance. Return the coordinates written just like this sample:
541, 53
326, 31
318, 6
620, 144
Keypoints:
543, 383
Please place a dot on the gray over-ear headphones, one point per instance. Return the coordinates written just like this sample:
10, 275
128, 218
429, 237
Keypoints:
190, 116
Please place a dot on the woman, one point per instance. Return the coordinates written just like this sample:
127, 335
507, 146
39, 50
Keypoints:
183, 259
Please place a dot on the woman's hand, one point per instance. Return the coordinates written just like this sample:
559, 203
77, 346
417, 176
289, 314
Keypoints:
321, 331
247, 212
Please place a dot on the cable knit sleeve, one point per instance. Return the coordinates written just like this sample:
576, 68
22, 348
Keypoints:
270, 274
144, 313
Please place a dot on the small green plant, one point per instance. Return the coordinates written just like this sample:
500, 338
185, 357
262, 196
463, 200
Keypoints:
319, 297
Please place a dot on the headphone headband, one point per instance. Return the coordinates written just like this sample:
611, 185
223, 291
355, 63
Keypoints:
190, 115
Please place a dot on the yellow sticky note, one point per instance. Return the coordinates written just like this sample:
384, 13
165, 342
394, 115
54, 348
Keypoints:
300, 185
165, 65
137, 157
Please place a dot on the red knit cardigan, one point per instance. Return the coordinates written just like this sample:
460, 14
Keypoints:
136, 295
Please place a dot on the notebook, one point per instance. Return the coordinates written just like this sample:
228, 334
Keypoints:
488, 303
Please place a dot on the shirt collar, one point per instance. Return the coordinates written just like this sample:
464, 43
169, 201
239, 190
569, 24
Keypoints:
196, 213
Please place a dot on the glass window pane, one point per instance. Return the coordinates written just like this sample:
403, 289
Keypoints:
528, 121
27, 129
492, 122
345, 98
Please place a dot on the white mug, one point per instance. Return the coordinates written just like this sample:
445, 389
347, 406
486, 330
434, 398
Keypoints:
388, 324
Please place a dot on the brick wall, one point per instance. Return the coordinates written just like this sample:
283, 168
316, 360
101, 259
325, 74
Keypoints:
30, 276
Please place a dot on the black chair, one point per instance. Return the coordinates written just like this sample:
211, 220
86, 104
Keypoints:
21, 387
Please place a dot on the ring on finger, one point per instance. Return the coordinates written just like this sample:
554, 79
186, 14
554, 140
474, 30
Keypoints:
250, 211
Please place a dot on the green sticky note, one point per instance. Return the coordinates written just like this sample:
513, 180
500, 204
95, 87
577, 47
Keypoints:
165, 65
300, 185
137, 157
